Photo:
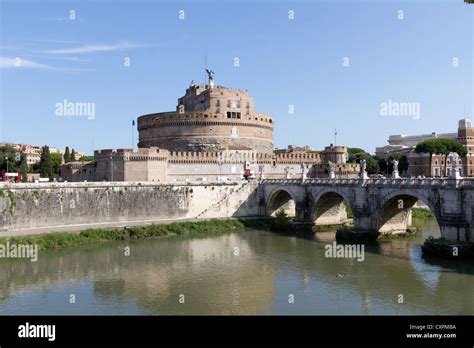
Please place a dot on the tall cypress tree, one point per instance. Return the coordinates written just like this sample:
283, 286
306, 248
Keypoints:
23, 168
67, 155
73, 155
46, 163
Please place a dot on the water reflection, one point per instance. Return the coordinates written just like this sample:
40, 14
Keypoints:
253, 272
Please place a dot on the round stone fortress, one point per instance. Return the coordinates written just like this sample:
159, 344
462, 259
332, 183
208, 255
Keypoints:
209, 118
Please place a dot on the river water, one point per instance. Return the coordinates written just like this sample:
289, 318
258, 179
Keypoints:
251, 272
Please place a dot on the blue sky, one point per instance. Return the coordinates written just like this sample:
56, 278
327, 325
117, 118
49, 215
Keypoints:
283, 62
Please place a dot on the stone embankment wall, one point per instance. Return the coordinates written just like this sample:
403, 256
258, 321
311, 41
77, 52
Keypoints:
34, 206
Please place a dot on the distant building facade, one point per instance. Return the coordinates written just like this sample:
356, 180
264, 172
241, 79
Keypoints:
407, 143
33, 152
436, 165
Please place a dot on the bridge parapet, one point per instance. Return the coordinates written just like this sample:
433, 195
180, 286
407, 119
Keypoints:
381, 182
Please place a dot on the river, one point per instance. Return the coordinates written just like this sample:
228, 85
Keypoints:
251, 272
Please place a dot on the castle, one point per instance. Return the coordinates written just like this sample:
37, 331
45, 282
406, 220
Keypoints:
213, 135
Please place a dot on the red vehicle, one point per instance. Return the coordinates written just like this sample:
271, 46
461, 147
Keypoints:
16, 177
247, 171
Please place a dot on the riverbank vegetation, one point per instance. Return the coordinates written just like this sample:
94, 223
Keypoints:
280, 223
66, 239
419, 218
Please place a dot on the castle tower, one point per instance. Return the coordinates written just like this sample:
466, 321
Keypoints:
466, 137
209, 118
465, 132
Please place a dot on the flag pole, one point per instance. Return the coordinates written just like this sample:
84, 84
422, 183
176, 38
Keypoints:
133, 141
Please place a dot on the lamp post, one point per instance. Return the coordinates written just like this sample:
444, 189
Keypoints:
6, 159
111, 168
220, 165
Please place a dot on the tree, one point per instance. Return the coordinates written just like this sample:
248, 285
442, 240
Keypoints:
16, 161
441, 146
372, 165
386, 163
86, 158
23, 168
73, 155
57, 159
7, 155
281, 222
67, 155
356, 154
46, 163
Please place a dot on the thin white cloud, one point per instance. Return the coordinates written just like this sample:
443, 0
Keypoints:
60, 57
19, 63
93, 48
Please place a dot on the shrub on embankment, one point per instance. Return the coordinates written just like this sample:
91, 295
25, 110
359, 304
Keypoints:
60, 240
420, 216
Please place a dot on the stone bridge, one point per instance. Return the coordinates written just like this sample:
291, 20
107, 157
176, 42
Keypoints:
378, 205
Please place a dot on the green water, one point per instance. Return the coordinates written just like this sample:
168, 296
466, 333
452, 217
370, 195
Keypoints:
252, 272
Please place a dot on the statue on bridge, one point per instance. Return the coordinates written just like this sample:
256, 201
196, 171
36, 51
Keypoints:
332, 170
363, 169
395, 173
454, 158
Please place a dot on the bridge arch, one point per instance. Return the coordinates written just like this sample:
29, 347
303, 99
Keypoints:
281, 198
330, 207
394, 213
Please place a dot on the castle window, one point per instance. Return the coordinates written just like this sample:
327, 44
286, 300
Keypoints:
218, 103
270, 120
229, 114
238, 104
228, 103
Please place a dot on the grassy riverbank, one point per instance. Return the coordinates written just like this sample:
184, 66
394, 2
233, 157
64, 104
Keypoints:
66, 239
420, 216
